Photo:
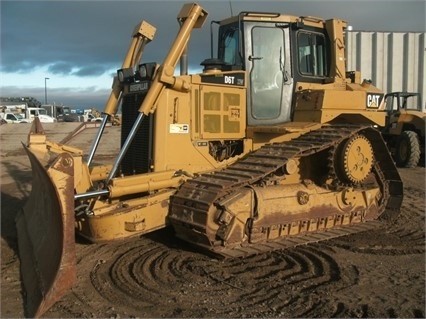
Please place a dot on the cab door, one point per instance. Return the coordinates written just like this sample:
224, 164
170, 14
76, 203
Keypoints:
270, 82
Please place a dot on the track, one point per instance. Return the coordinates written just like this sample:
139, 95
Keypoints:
191, 205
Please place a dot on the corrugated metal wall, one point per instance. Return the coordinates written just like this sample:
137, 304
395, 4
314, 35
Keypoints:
393, 61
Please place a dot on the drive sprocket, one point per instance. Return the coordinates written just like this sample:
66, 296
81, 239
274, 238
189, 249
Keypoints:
356, 159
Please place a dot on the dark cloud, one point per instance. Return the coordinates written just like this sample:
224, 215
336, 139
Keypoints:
65, 68
90, 70
89, 38
42, 32
60, 68
80, 33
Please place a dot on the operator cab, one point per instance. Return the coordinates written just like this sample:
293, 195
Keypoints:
276, 52
397, 101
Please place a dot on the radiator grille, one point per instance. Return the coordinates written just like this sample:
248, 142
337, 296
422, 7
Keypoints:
138, 158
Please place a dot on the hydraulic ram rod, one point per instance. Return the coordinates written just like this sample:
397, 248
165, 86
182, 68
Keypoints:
193, 16
142, 34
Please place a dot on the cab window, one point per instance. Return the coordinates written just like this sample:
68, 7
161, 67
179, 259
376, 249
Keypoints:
228, 46
312, 54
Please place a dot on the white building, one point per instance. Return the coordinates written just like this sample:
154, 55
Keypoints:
393, 61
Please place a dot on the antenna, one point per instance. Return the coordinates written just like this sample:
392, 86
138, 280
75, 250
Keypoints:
230, 7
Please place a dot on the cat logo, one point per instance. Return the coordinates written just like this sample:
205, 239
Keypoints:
374, 100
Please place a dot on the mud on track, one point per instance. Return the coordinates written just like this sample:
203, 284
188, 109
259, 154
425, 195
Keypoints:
378, 273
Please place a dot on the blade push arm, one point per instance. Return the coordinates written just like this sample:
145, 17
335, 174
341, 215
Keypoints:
191, 16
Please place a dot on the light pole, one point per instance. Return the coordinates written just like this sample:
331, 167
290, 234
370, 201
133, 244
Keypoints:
45, 90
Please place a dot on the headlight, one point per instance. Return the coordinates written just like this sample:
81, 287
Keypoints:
125, 75
145, 71
142, 71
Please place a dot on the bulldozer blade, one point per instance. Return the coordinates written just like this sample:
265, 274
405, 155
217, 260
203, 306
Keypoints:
46, 239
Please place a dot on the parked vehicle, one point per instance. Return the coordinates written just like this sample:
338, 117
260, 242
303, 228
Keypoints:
404, 132
31, 112
14, 118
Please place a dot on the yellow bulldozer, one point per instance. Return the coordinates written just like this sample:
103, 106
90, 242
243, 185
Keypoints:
272, 145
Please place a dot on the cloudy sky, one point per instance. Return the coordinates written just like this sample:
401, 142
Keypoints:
79, 45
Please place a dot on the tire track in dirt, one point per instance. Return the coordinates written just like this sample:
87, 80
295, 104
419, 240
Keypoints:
406, 235
163, 281
381, 253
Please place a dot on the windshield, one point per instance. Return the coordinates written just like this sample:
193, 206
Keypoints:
38, 112
411, 102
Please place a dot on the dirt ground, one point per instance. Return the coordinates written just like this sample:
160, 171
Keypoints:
378, 273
